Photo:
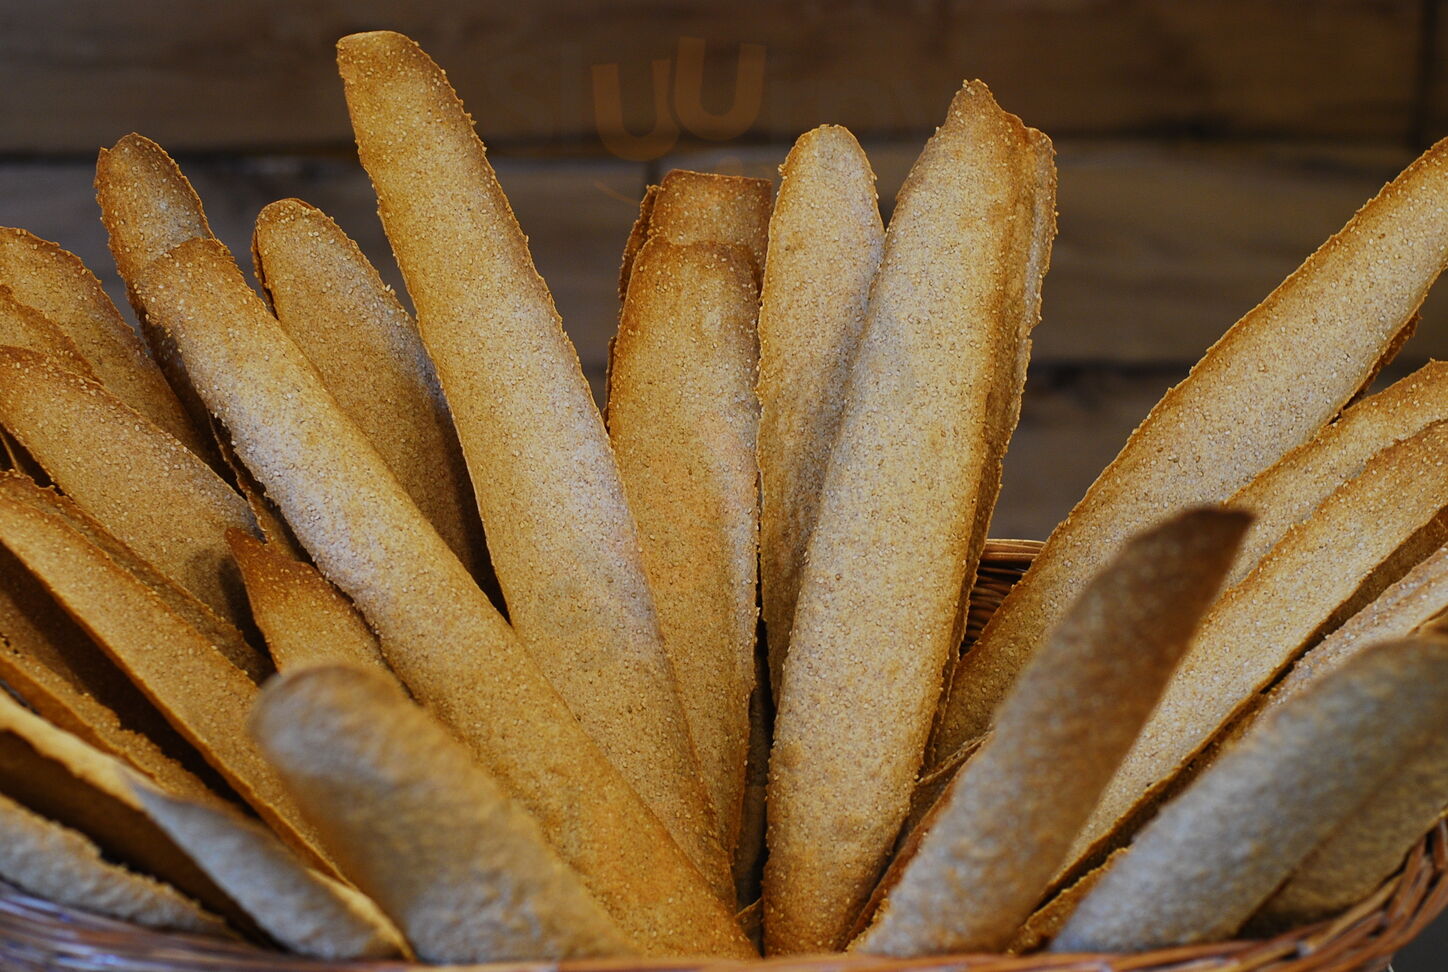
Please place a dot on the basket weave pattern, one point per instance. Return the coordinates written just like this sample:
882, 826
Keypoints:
39, 935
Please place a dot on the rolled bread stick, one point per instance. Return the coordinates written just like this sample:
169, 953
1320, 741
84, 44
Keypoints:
22, 326
451, 648
138, 481
56, 283
305, 619
464, 870
563, 542
64, 866
305, 912
825, 238
1209, 436
1006, 822
892, 550
148, 206
1287, 492
1260, 626
683, 421
350, 325
1212, 855
204, 696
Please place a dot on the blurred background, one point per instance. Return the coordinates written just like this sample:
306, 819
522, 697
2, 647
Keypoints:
1204, 148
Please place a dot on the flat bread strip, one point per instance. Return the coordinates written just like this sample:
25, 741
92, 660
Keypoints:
58, 776
55, 282
564, 544
1261, 626
203, 695
61, 865
148, 207
1366, 849
220, 632
463, 869
1212, 855
140, 483
1006, 822
825, 239
638, 235
22, 326
304, 911
269, 521
703, 207
440, 634
305, 619
350, 325
1047, 921
1210, 435
1287, 492
891, 553
684, 420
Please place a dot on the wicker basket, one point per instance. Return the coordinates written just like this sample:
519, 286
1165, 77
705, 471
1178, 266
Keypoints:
36, 934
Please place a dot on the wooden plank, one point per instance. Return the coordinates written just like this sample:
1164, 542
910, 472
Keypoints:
234, 76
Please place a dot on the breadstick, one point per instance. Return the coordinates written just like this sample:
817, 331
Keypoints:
1047, 921
140, 483
65, 867
305, 912
203, 695
1261, 625
366, 348
1366, 849
1210, 435
1206, 862
148, 207
825, 238
1007, 820
683, 421
25, 327
56, 283
637, 237
702, 207
563, 542
891, 554
1287, 492
451, 648
465, 871
306, 621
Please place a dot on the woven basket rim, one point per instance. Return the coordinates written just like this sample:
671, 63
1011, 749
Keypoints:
39, 934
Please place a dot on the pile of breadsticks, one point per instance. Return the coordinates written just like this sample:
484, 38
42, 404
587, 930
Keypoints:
363, 635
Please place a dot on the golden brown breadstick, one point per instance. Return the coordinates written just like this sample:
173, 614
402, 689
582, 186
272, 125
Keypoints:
1211, 434
702, 207
451, 647
304, 911
1261, 625
683, 420
55, 282
141, 484
22, 326
1006, 822
563, 542
892, 553
637, 237
61, 865
366, 348
1206, 862
1287, 492
825, 237
203, 695
465, 872
305, 619
148, 207
1366, 849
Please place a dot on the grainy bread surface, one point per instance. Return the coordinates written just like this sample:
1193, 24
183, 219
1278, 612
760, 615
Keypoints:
683, 420
825, 239
563, 542
462, 868
1210, 435
1006, 822
892, 549
704, 207
440, 634
1205, 863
